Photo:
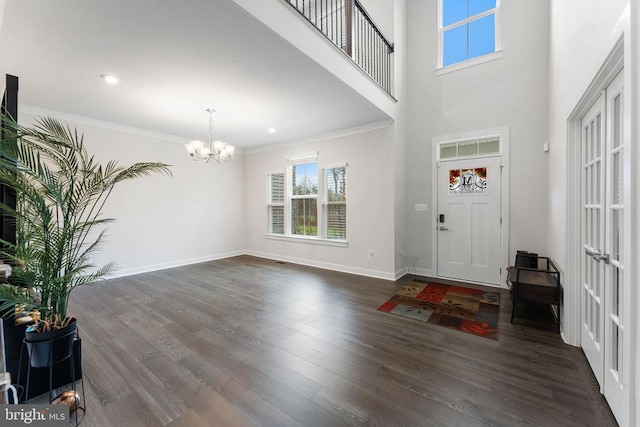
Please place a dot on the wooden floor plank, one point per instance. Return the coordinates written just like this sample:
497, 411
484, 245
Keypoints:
246, 341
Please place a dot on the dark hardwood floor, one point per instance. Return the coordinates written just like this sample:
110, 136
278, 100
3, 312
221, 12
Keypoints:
246, 341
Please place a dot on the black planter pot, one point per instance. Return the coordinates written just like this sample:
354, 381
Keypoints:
48, 348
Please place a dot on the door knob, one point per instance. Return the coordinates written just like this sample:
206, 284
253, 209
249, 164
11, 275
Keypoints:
443, 228
597, 255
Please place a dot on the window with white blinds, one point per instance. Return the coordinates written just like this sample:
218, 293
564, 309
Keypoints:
335, 203
275, 203
308, 202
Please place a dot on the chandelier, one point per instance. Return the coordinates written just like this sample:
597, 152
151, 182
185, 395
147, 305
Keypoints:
219, 151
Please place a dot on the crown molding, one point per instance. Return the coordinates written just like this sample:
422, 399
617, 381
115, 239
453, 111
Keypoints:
38, 111
323, 136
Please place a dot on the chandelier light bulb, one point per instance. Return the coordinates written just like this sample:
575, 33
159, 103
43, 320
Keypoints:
218, 150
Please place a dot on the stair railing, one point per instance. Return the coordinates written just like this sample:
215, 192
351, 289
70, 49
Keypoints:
348, 25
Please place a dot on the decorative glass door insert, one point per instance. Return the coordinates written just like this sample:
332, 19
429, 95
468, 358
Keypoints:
468, 181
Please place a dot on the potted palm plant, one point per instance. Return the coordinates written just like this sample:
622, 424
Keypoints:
61, 191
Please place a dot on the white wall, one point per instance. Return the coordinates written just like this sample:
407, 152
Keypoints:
161, 221
634, 92
370, 203
508, 92
400, 138
3, 3
580, 41
383, 13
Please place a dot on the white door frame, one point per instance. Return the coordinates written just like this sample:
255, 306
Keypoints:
613, 64
503, 134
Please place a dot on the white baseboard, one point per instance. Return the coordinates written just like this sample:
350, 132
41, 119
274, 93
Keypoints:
327, 266
414, 272
301, 261
428, 274
277, 257
400, 274
294, 260
423, 272
171, 264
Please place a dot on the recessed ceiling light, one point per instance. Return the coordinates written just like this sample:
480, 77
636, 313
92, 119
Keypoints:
112, 80
272, 130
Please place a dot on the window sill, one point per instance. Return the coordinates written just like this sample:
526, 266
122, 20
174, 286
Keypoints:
307, 239
469, 63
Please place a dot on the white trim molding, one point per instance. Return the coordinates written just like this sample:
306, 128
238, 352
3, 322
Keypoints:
503, 134
172, 264
102, 124
325, 265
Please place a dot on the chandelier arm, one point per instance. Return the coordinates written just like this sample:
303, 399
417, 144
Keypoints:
222, 155
210, 130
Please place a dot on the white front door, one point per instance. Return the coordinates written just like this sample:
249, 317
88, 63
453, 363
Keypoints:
602, 326
468, 222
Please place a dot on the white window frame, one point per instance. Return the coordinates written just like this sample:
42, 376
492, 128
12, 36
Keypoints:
496, 54
271, 203
290, 197
321, 202
325, 198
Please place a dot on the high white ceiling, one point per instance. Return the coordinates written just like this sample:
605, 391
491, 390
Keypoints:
174, 59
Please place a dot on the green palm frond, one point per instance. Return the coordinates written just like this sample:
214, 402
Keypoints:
61, 191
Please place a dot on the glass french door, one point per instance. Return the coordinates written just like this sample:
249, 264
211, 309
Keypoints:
602, 326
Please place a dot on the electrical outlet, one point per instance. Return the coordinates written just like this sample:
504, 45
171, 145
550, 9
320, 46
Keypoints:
370, 254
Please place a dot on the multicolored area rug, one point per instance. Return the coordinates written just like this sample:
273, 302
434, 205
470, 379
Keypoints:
465, 309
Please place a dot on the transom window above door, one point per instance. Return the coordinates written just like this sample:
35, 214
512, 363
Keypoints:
468, 30
476, 147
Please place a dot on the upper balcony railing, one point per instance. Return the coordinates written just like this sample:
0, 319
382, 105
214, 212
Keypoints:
348, 25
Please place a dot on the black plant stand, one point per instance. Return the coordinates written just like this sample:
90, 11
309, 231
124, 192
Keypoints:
70, 339
15, 357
